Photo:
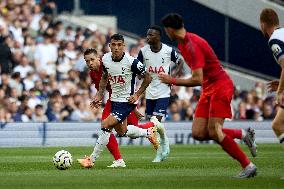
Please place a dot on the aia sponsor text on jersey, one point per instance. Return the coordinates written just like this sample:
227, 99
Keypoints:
157, 70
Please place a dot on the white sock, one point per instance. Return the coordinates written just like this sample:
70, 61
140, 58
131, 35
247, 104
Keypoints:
135, 132
100, 145
281, 139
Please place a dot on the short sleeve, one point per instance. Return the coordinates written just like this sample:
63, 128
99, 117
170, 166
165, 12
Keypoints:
138, 67
174, 56
198, 57
277, 48
140, 56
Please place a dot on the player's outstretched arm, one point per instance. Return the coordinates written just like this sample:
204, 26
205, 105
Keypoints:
195, 80
146, 81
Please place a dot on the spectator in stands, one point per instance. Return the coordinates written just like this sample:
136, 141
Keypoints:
268, 111
55, 114
15, 82
33, 98
27, 115
81, 113
39, 114
12, 105
24, 67
69, 106
5, 116
6, 63
46, 55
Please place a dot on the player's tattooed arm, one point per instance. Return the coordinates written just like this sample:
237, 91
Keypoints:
97, 101
103, 83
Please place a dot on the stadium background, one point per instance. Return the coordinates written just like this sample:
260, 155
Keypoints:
41, 113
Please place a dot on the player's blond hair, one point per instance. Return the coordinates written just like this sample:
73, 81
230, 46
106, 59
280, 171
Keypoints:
269, 17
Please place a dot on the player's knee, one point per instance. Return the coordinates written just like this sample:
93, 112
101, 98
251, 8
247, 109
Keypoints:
197, 135
213, 134
106, 129
121, 133
276, 126
104, 124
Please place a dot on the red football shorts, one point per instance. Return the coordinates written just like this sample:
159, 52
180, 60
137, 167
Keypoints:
131, 119
216, 104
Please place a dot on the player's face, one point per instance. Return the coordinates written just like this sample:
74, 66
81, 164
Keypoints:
153, 37
92, 61
117, 48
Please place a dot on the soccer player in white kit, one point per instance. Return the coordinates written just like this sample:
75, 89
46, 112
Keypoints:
270, 27
158, 57
120, 69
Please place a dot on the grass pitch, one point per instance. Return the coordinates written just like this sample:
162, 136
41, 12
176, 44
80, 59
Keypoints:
188, 166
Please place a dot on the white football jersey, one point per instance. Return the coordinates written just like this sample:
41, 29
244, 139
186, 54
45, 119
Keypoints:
122, 75
276, 43
156, 63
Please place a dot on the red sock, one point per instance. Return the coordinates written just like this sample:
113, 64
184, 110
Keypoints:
112, 147
146, 125
233, 133
232, 148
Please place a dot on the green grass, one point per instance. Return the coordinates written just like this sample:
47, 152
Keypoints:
189, 166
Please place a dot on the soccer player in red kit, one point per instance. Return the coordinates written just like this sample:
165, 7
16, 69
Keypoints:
217, 92
96, 69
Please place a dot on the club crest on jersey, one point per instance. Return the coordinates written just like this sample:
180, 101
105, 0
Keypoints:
276, 49
118, 79
123, 69
156, 70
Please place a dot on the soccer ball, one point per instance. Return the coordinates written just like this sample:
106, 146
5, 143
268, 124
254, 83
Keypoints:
62, 160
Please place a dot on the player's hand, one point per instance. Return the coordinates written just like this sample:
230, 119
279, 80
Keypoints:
165, 78
272, 85
97, 101
279, 98
138, 114
133, 98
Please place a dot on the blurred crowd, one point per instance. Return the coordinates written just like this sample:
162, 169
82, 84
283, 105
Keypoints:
44, 76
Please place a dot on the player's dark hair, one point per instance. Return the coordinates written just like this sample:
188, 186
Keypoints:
157, 28
117, 37
90, 51
269, 17
172, 20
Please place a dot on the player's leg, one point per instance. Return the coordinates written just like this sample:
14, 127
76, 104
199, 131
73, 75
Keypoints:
106, 128
157, 113
103, 140
112, 145
121, 111
150, 105
278, 125
219, 110
133, 120
200, 121
231, 147
248, 136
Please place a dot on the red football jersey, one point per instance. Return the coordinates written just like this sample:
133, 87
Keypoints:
96, 78
198, 54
